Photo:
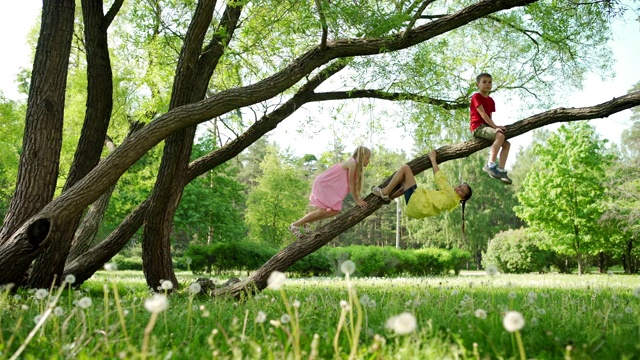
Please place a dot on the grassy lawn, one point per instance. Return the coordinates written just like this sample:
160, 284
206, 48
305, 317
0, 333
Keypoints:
566, 317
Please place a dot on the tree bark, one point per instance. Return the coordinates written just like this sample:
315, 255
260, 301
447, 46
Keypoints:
88, 229
39, 160
50, 263
190, 85
312, 242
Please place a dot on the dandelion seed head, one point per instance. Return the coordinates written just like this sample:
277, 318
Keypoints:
276, 280
296, 304
513, 321
24, 307
166, 285
491, 270
344, 304
85, 302
157, 303
532, 297
534, 321
41, 294
402, 324
70, 279
628, 310
37, 318
542, 311
364, 300
195, 288
512, 295
348, 267
481, 314
261, 317
455, 292
636, 292
285, 318
58, 311
17, 297
110, 267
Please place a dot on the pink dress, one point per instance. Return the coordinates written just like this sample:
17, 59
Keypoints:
330, 188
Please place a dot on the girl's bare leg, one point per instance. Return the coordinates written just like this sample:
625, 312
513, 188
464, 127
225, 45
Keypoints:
403, 176
317, 214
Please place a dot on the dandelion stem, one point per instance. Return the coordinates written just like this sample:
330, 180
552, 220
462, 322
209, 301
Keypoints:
147, 333
520, 346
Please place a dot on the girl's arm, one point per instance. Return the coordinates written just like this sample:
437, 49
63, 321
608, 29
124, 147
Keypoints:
434, 164
351, 165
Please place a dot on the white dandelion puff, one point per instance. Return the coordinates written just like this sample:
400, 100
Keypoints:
532, 297
84, 303
166, 285
628, 310
110, 267
157, 303
402, 324
70, 279
296, 304
512, 295
276, 280
58, 311
636, 292
348, 267
37, 319
481, 314
513, 321
195, 288
491, 270
41, 294
261, 317
285, 318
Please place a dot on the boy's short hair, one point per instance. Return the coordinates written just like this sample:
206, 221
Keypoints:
481, 76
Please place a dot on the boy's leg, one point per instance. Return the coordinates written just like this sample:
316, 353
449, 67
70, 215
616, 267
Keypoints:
504, 153
486, 132
403, 176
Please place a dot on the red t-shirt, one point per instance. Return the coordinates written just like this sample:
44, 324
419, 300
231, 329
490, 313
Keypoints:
489, 107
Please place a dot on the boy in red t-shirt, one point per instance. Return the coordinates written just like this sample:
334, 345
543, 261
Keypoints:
482, 106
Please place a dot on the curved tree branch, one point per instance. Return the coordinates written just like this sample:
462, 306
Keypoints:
315, 240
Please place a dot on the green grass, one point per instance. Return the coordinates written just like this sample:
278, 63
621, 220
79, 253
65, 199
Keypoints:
567, 316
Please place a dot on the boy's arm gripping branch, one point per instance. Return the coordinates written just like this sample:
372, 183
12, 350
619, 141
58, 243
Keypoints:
434, 164
488, 119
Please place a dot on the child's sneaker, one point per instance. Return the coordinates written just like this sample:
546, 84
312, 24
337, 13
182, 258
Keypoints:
492, 171
505, 179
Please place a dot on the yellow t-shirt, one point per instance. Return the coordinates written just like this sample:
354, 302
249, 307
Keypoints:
427, 202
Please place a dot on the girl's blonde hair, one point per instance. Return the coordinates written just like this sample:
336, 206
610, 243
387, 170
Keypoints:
359, 155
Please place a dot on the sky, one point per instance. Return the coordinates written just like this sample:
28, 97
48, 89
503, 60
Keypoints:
18, 17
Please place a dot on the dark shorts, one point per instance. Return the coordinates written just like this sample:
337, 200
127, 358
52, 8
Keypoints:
409, 192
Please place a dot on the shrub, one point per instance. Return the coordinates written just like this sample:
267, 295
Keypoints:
127, 263
516, 251
432, 261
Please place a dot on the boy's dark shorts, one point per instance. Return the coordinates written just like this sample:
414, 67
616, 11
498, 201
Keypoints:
409, 192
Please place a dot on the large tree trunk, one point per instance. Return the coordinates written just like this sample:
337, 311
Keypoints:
18, 252
39, 160
190, 85
50, 263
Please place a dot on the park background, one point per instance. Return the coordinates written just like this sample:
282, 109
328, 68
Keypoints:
249, 202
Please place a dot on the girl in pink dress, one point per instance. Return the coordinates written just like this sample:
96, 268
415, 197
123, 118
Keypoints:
332, 186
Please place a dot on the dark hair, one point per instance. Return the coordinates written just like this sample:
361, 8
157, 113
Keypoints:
481, 76
463, 202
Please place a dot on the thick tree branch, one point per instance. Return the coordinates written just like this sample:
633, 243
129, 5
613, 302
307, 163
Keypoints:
312, 242
393, 96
